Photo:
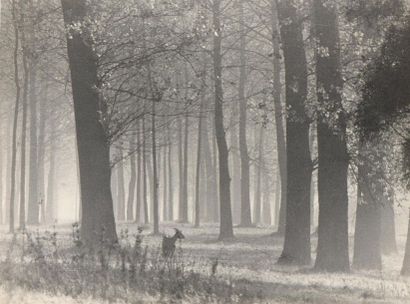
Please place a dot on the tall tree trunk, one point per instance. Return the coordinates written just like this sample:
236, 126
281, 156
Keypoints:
199, 150
367, 251
132, 182
155, 183
226, 229
144, 173
165, 184
93, 145
277, 200
333, 245
22, 211
280, 132
138, 206
246, 219
183, 212
266, 207
33, 210
15, 121
120, 186
299, 165
258, 176
41, 152
170, 181
51, 203
180, 170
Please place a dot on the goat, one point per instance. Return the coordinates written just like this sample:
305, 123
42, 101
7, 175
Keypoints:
168, 243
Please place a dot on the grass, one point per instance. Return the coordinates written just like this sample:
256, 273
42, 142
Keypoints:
53, 266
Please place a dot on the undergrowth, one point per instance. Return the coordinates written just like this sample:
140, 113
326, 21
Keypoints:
121, 271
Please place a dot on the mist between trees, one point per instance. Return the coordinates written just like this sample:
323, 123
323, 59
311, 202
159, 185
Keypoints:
291, 115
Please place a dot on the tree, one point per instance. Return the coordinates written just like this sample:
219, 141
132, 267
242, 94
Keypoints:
333, 245
299, 165
225, 230
93, 147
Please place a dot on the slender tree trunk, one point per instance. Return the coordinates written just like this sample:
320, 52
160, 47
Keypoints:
33, 210
266, 207
199, 150
154, 168
246, 219
120, 186
41, 152
144, 174
280, 132
22, 211
180, 170
132, 182
15, 121
138, 206
258, 177
51, 204
183, 212
170, 180
277, 199
333, 245
165, 185
299, 165
226, 229
93, 145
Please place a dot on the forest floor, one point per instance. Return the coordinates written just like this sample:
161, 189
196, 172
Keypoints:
249, 259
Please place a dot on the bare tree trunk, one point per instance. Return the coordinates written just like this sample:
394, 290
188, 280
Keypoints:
226, 229
132, 182
120, 186
16, 111
299, 165
180, 170
93, 145
266, 206
199, 150
183, 212
22, 211
51, 203
138, 206
333, 243
258, 175
41, 153
144, 176
170, 181
280, 132
155, 173
246, 219
165, 184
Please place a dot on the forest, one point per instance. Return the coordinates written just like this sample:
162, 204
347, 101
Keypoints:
204, 151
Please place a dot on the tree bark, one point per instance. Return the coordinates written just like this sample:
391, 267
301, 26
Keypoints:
367, 251
22, 210
93, 146
333, 245
170, 181
51, 204
132, 182
225, 229
246, 220
15, 121
120, 186
183, 211
144, 174
280, 132
299, 165
258, 177
155, 173
138, 206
